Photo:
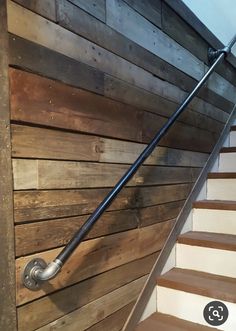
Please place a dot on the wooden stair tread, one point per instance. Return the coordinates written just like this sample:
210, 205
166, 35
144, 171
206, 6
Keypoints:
215, 204
228, 150
209, 239
201, 283
221, 175
164, 322
233, 128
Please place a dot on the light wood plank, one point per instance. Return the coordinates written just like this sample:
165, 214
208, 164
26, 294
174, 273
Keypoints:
45, 174
39, 205
96, 256
60, 303
46, 8
98, 309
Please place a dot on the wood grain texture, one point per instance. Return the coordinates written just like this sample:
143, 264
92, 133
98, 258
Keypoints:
41, 236
78, 48
44, 174
40, 205
57, 105
167, 322
7, 270
150, 9
201, 283
42, 60
211, 240
80, 294
98, 309
215, 204
184, 34
96, 8
46, 8
115, 321
95, 256
35, 142
193, 115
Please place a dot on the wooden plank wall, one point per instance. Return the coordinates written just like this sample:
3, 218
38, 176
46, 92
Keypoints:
90, 84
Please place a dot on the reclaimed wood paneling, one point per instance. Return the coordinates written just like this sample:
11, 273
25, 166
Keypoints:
78, 48
98, 309
34, 142
185, 35
96, 8
39, 236
46, 62
88, 291
46, 8
7, 271
40, 205
96, 256
44, 174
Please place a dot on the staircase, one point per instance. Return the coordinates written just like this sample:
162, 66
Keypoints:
205, 265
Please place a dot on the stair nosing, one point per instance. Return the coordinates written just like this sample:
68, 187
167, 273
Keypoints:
215, 204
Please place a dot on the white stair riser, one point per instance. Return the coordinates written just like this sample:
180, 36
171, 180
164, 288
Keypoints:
227, 162
232, 139
190, 307
221, 189
211, 260
214, 220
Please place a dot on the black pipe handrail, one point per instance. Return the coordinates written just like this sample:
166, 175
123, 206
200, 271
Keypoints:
37, 270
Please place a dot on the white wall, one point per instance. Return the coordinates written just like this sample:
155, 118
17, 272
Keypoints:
218, 15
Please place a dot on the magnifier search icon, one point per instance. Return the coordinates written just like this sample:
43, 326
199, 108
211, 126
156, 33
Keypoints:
216, 313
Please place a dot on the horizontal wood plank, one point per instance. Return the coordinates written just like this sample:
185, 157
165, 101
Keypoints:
42, 101
44, 174
32, 57
96, 8
78, 295
46, 8
98, 309
40, 205
78, 48
96, 256
35, 142
40, 236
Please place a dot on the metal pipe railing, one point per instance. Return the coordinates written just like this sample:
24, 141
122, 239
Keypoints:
37, 270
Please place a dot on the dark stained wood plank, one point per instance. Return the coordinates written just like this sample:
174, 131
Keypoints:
228, 150
38, 100
221, 175
183, 33
45, 174
42, 60
207, 239
96, 8
180, 135
193, 115
7, 270
40, 236
150, 9
201, 283
159, 213
95, 256
40, 205
46, 8
88, 290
